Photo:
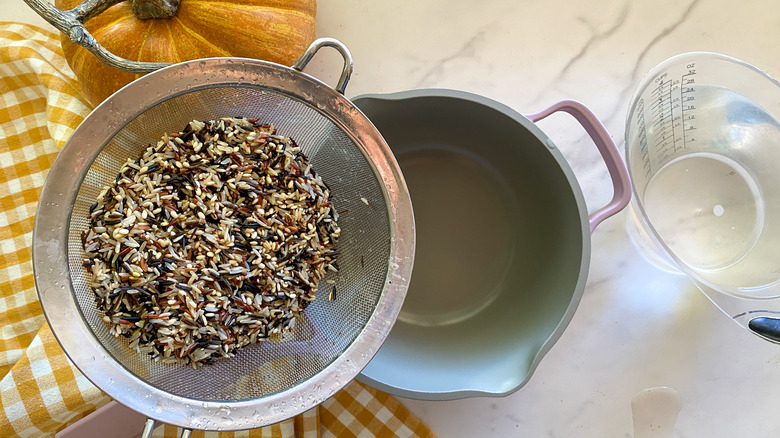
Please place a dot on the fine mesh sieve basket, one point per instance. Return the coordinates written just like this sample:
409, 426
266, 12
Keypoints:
332, 340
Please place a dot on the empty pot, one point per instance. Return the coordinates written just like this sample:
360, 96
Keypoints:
503, 241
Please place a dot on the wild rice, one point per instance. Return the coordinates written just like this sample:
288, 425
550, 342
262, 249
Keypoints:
215, 238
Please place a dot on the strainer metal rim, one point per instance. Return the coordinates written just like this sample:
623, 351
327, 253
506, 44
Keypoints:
50, 237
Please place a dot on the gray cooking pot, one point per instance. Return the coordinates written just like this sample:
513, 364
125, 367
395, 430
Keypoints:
503, 241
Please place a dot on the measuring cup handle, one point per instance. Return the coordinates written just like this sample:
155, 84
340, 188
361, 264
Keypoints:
618, 171
319, 43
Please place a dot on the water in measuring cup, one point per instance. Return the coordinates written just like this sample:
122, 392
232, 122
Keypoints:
706, 208
707, 203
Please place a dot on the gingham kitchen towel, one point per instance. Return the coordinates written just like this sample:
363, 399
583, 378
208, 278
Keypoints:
41, 392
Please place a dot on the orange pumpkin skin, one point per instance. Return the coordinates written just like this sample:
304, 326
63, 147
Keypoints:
273, 30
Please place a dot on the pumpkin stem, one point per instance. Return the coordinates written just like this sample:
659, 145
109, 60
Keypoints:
145, 9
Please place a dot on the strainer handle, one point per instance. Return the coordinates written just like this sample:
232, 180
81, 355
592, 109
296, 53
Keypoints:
618, 171
148, 428
319, 43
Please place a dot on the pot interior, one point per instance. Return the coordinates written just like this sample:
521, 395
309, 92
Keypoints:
500, 251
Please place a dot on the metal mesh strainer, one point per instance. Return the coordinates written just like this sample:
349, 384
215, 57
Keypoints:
331, 343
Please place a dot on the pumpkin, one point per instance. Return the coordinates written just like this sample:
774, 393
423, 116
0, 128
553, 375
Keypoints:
273, 30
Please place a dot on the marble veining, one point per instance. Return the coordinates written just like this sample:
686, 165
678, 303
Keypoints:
637, 327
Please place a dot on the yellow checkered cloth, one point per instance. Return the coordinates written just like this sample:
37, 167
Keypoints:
41, 392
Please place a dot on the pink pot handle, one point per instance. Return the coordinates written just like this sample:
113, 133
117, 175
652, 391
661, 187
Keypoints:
621, 182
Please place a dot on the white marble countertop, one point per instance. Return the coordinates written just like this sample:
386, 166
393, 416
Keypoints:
637, 327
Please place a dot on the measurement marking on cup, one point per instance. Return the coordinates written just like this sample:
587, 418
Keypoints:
671, 114
687, 92
673, 101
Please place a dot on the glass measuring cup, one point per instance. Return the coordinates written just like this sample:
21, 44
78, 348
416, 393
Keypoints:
703, 151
